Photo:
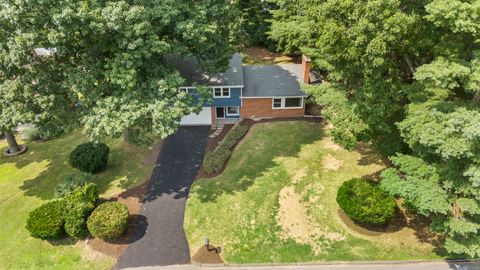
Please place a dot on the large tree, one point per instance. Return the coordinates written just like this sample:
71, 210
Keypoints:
253, 21
111, 58
406, 72
441, 178
369, 50
31, 84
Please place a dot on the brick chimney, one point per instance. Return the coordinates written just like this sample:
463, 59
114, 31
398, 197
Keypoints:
306, 66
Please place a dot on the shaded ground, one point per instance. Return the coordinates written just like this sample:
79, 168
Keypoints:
164, 242
275, 203
262, 56
29, 180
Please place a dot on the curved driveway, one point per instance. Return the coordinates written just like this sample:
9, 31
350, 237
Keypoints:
164, 241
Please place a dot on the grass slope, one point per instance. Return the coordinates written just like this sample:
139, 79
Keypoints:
29, 180
239, 209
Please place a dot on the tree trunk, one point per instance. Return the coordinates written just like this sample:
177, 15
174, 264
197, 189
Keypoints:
126, 135
476, 97
12, 142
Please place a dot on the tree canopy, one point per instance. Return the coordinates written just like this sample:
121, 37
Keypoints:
110, 57
403, 75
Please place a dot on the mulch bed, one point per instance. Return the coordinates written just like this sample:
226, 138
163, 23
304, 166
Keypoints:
133, 199
208, 255
213, 142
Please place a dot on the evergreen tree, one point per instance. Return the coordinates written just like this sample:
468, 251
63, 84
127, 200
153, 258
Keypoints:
405, 72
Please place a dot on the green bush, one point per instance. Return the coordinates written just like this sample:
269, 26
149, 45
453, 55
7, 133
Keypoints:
47, 221
214, 160
31, 134
72, 181
90, 157
364, 201
79, 204
234, 136
108, 221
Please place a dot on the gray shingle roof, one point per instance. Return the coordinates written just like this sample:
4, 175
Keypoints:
273, 80
192, 73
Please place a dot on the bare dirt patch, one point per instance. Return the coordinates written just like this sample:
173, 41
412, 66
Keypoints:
327, 143
296, 223
262, 56
330, 163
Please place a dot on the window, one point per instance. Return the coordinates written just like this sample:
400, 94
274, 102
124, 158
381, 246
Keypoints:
233, 111
277, 103
221, 92
217, 92
287, 103
225, 92
293, 103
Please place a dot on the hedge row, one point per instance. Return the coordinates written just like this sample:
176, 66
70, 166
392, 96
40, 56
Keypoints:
214, 160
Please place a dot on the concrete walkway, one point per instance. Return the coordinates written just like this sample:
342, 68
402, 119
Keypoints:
161, 239
374, 266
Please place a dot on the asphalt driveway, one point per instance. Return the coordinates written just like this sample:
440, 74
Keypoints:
163, 241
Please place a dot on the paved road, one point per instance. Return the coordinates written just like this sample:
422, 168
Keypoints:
347, 266
161, 239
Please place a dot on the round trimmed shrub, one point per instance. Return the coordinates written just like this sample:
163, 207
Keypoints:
90, 157
364, 201
108, 221
47, 221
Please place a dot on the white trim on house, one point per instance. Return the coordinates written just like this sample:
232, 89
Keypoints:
212, 86
230, 114
282, 103
275, 97
221, 92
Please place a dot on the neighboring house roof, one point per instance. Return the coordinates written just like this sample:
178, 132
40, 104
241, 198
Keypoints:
273, 80
192, 73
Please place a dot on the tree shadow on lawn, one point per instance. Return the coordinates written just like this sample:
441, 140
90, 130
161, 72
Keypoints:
402, 219
369, 156
55, 155
244, 166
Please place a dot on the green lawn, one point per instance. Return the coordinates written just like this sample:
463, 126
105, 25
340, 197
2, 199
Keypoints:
275, 202
29, 180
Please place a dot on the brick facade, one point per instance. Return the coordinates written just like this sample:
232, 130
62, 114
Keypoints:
262, 107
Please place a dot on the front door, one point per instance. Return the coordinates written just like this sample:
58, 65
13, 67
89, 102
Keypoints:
220, 112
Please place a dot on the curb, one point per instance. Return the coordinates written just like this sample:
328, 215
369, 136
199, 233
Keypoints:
396, 262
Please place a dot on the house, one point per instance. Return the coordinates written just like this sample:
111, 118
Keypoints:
259, 91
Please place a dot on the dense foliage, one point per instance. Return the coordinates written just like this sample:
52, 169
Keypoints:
72, 182
109, 65
253, 22
215, 160
79, 204
47, 221
404, 75
108, 221
365, 202
90, 157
